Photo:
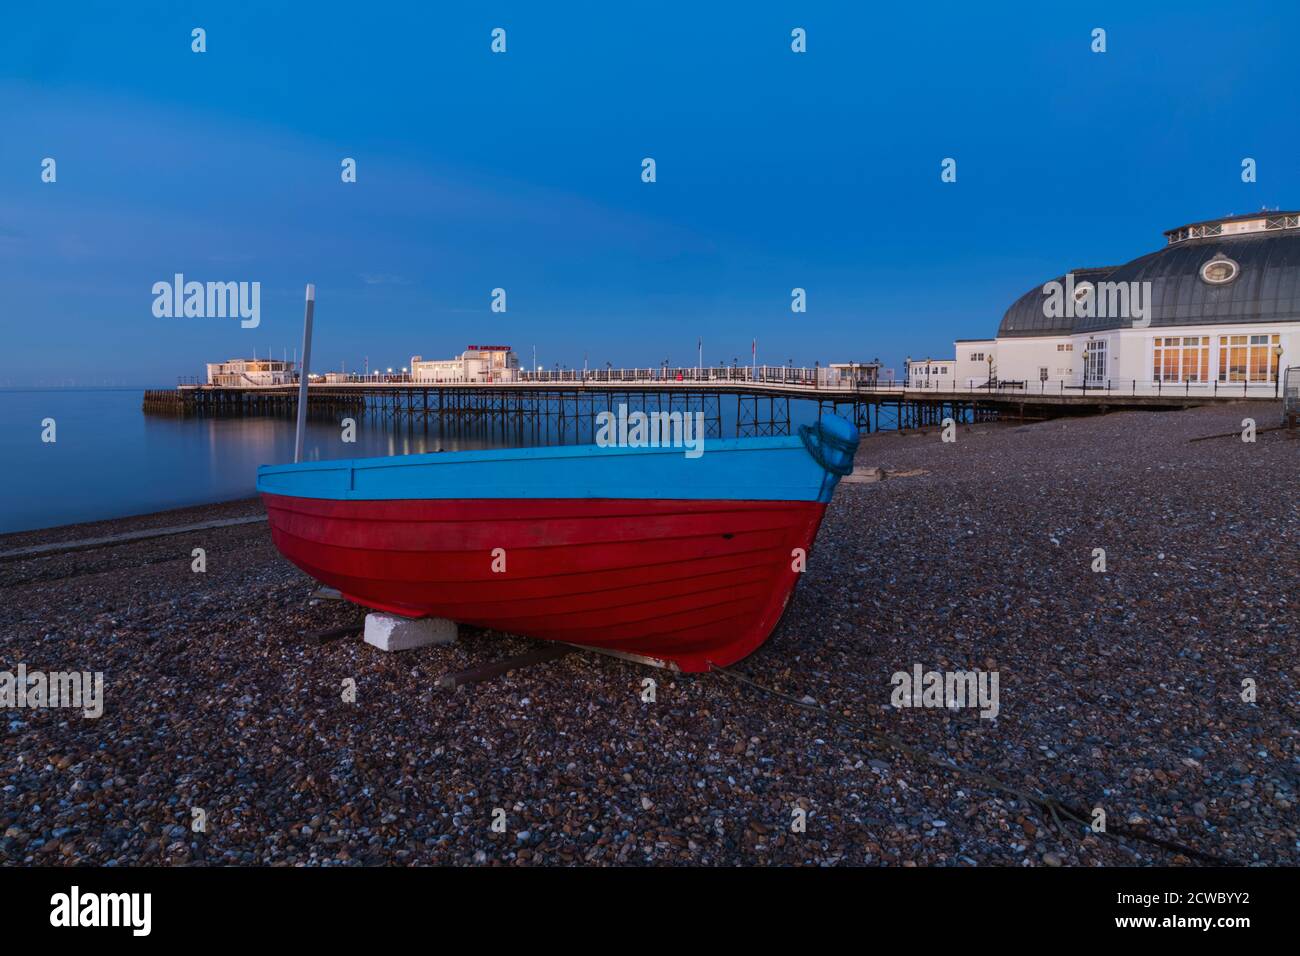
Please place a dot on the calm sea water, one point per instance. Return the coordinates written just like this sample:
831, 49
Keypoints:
110, 459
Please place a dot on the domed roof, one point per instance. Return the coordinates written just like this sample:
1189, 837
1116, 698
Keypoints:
1264, 286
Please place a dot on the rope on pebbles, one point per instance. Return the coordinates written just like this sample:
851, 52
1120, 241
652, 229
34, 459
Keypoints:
1050, 804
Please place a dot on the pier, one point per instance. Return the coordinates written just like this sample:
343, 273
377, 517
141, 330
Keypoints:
240, 400
563, 405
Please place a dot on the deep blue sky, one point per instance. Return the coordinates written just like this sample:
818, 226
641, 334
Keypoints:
523, 171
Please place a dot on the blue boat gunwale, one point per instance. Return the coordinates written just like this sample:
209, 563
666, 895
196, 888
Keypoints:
798, 472
529, 452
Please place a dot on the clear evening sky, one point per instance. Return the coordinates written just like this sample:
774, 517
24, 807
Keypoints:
522, 170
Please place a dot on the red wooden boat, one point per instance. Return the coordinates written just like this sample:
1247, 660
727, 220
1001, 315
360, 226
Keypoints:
646, 551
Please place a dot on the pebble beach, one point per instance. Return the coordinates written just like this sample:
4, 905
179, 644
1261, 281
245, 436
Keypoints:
1120, 689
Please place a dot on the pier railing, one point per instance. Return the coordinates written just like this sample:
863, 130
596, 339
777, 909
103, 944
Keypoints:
761, 374
1116, 387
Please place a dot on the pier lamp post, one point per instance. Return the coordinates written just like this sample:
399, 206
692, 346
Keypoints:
301, 425
990, 379
1277, 368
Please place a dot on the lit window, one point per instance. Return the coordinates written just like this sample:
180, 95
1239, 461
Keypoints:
1182, 359
1246, 358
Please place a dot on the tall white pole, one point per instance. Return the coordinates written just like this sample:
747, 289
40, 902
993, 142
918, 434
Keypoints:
302, 374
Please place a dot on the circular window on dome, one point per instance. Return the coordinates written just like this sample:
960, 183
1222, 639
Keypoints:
1082, 290
1219, 271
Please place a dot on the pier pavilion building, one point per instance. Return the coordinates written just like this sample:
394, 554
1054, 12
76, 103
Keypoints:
243, 372
480, 364
1217, 307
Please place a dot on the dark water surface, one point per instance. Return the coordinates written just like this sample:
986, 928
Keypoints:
110, 459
